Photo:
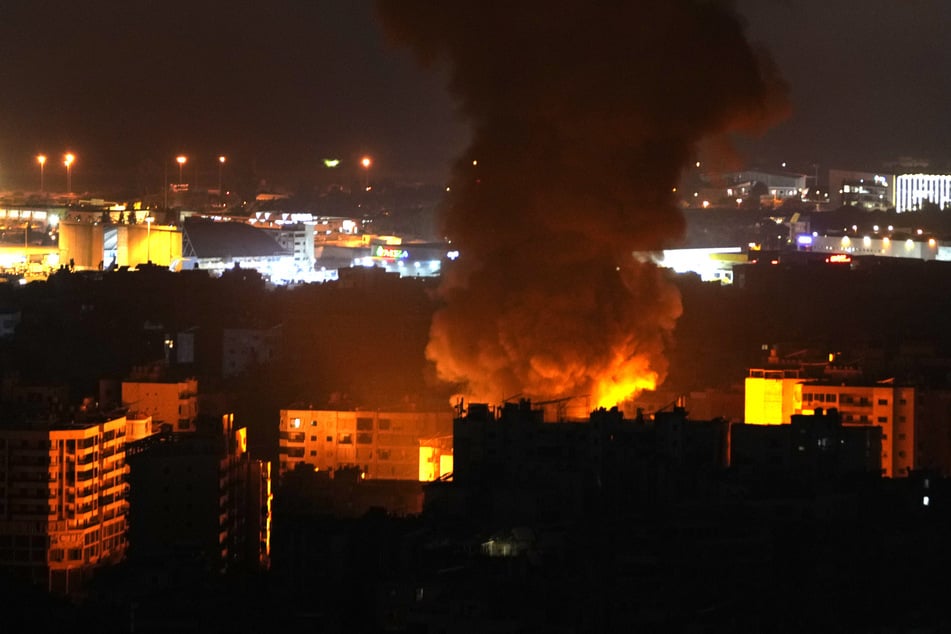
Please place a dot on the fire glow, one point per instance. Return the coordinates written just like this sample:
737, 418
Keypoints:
575, 144
631, 378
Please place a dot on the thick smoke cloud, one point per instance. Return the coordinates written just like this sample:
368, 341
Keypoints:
583, 114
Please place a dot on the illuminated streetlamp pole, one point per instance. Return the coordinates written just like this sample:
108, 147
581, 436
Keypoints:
41, 159
68, 161
181, 163
221, 166
366, 163
148, 239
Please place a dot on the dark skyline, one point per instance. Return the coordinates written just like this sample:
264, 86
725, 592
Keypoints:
280, 85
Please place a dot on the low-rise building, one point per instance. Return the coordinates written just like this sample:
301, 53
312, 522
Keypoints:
168, 401
916, 433
812, 447
382, 444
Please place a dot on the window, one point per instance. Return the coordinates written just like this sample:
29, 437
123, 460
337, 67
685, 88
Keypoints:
364, 424
364, 438
345, 439
313, 439
883, 401
295, 423
313, 423
883, 419
384, 424
830, 398
313, 452
330, 438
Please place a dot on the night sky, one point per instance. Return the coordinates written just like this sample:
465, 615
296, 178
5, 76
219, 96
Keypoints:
868, 79
277, 85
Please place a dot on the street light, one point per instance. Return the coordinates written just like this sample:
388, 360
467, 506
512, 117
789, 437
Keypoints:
41, 159
181, 163
148, 239
366, 162
221, 166
68, 161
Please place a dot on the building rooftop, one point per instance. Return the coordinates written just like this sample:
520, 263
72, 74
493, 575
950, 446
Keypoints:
210, 239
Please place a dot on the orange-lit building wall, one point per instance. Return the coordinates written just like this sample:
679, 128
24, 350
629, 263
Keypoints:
138, 428
173, 402
884, 405
771, 396
384, 445
435, 458
160, 244
77, 518
80, 242
83, 242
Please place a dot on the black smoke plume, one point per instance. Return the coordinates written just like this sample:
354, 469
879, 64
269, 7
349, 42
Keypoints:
583, 114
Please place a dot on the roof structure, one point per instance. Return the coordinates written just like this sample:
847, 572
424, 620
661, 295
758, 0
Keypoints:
209, 239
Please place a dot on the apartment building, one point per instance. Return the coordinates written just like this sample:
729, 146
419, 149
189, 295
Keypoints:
914, 420
63, 500
168, 402
884, 405
383, 444
771, 396
199, 496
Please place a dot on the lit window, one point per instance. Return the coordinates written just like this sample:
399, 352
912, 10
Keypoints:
295, 423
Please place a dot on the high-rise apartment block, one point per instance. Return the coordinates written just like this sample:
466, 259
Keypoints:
200, 497
63, 500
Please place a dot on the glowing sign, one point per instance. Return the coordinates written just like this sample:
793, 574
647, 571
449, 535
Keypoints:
804, 240
331, 162
839, 258
390, 253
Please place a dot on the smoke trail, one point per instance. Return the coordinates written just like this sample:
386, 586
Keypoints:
583, 114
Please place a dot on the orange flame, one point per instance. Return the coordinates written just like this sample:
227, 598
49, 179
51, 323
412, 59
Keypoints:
625, 380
